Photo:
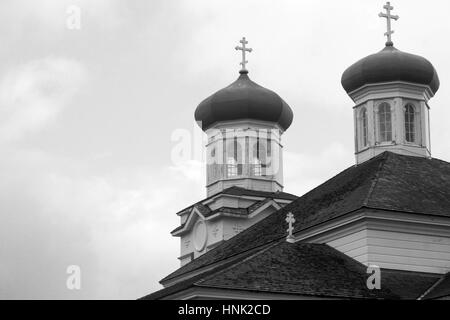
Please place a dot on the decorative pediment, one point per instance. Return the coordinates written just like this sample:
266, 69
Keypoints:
192, 217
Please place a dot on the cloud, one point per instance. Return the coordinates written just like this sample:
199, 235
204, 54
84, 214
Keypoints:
33, 94
149, 64
116, 227
49, 17
305, 171
191, 170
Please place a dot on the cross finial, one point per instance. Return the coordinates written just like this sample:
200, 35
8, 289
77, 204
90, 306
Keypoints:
388, 17
243, 49
290, 220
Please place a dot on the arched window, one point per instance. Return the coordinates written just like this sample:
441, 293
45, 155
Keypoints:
232, 167
364, 128
269, 162
257, 168
384, 122
234, 158
410, 134
213, 170
259, 154
212, 159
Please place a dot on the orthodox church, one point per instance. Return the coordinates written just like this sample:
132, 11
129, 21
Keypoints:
378, 230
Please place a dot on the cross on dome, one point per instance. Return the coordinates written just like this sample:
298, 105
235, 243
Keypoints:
388, 17
244, 49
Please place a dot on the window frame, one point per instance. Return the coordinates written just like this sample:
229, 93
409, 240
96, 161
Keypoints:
364, 128
259, 156
382, 135
408, 124
234, 167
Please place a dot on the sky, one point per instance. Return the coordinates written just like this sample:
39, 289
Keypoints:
90, 114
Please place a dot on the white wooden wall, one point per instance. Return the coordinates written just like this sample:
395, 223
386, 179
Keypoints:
397, 250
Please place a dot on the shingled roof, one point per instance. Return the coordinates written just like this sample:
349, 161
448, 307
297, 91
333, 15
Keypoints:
440, 290
389, 182
304, 269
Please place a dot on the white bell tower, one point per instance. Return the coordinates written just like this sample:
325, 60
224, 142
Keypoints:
246, 154
244, 123
391, 90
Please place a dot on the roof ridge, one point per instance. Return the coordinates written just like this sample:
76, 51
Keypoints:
375, 180
430, 289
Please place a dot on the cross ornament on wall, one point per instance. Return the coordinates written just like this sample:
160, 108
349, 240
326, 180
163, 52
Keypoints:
388, 17
290, 220
237, 228
215, 230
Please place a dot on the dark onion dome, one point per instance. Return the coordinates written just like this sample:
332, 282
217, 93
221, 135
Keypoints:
244, 99
390, 64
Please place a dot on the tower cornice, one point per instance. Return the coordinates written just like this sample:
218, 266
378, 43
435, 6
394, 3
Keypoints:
391, 90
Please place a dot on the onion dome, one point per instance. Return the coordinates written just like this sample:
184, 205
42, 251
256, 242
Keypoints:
390, 64
243, 99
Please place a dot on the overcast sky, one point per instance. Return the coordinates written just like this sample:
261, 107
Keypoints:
87, 118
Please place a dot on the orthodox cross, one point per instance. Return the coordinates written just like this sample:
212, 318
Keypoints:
388, 17
290, 220
243, 49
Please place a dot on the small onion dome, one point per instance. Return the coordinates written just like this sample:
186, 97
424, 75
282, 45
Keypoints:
243, 99
390, 64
